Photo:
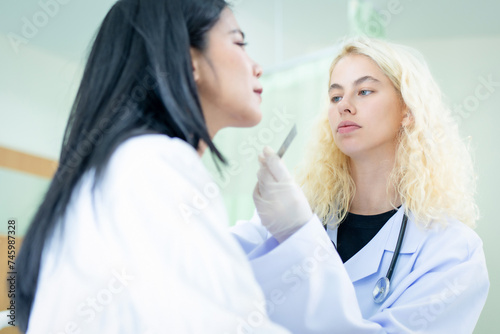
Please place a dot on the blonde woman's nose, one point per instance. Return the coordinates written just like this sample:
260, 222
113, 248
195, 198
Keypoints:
345, 106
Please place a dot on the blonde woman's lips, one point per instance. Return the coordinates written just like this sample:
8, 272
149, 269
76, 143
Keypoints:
347, 127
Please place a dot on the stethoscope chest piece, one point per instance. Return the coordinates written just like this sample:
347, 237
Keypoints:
381, 290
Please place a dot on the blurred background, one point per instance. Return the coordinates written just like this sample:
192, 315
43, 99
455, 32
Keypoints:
44, 43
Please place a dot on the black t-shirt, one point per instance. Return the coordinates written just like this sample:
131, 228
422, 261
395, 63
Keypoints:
357, 230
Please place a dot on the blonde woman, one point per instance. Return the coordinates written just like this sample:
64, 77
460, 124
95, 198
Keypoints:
391, 182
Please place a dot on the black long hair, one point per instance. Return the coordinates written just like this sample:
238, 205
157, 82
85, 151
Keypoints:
138, 79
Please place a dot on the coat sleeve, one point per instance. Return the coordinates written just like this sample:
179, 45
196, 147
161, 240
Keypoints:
309, 291
253, 237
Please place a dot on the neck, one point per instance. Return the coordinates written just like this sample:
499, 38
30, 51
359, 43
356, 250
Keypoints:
372, 194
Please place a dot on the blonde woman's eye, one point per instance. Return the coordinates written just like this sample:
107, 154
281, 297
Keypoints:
336, 99
242, 44
365, 92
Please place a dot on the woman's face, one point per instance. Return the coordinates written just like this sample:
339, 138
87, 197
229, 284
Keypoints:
227, 78
365, 110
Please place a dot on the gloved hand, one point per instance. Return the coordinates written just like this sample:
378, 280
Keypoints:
280, 203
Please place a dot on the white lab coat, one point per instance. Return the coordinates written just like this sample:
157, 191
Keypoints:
152, 254
439, 285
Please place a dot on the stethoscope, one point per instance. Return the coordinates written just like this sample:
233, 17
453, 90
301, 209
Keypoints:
383, 285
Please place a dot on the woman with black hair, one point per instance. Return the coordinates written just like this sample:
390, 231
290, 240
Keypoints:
131, 236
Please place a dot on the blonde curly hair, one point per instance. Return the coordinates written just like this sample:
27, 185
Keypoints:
433, 172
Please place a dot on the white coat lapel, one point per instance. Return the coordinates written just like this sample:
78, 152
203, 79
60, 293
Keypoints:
367, 261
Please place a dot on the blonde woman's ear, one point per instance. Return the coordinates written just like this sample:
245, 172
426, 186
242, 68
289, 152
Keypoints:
407, 118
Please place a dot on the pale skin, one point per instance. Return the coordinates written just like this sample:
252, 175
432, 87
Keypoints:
362, 94
227, 78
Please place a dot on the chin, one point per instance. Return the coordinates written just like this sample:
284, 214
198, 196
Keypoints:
348, 150
249, 120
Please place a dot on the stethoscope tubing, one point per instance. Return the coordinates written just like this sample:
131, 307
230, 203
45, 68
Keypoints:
398, 248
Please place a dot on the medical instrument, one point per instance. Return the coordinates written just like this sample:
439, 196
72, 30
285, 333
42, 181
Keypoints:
288, 141
383, 285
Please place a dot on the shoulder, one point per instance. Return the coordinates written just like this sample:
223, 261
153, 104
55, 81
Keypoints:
457, 234
156, 171
450, 239
165, 174
141, 150
156, 157
463, 233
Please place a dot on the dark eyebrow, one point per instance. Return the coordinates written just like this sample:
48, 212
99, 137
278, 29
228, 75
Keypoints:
356, 83
238, 31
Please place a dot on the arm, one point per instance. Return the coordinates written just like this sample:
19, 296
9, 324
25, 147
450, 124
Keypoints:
307, 286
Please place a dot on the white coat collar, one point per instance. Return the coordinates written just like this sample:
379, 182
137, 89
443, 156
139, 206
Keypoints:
367, 261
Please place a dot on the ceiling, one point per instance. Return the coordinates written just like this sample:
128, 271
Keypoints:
277, 30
